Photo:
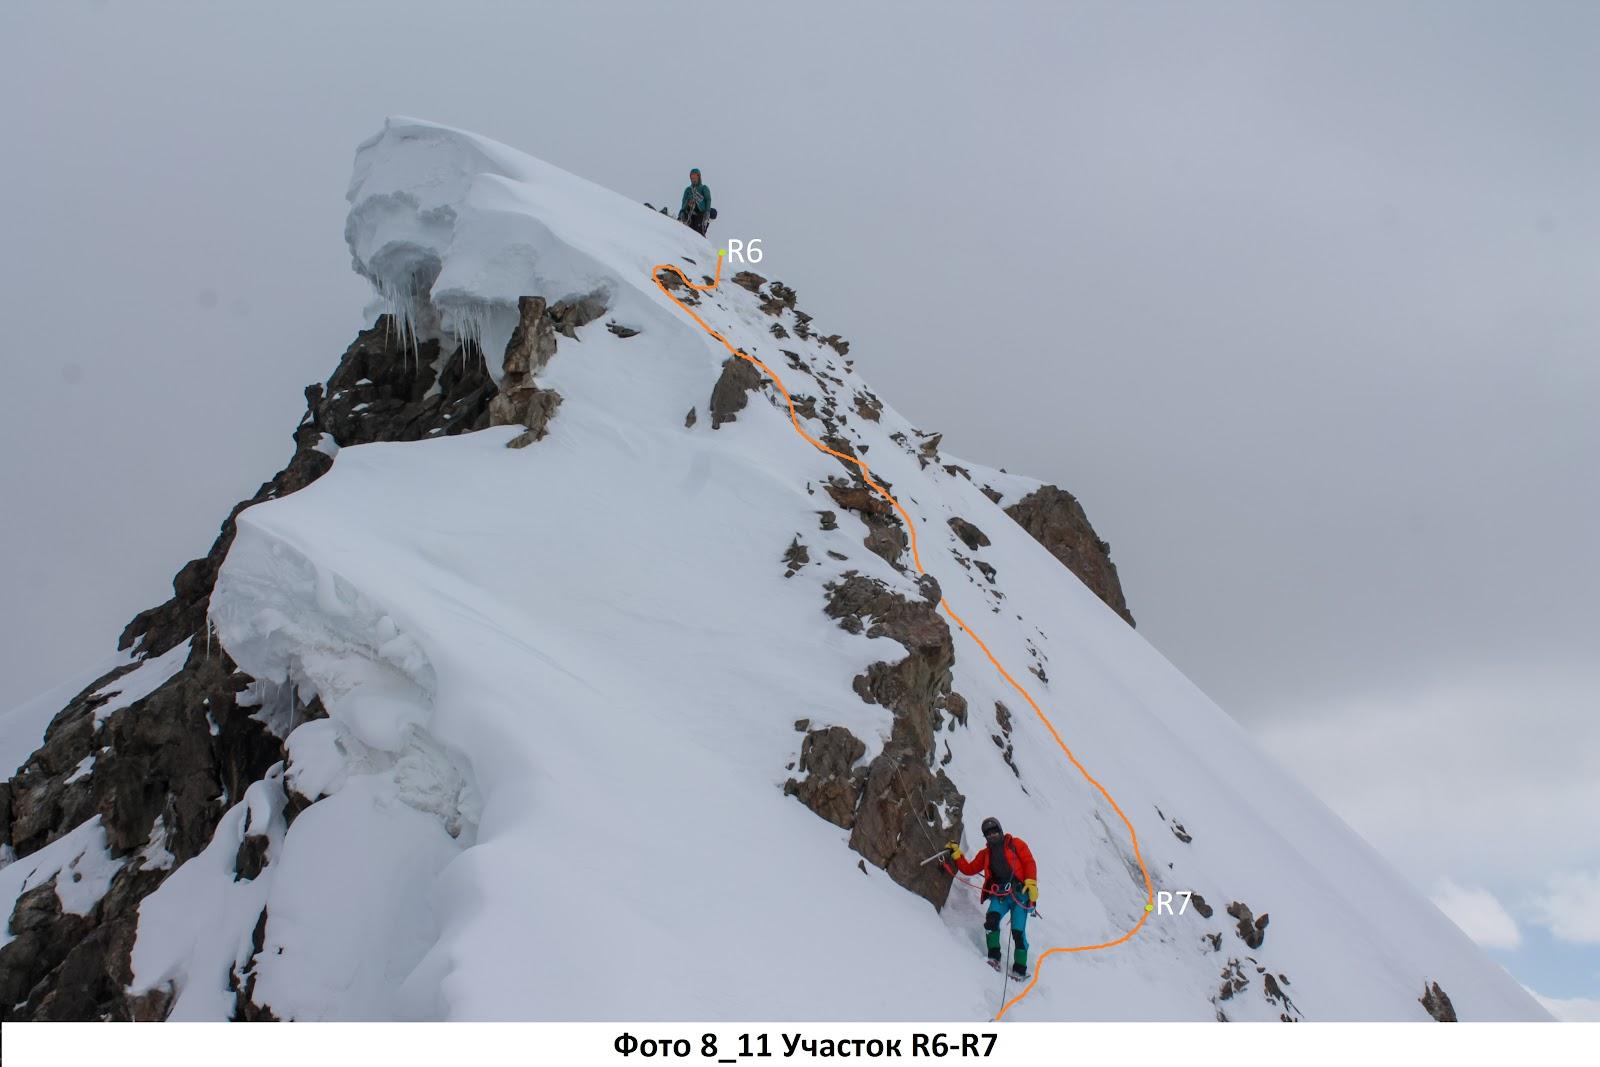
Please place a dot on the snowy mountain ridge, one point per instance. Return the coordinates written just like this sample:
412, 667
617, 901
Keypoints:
581, 727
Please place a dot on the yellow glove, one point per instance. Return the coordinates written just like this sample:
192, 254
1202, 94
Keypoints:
1032, 888
954, 849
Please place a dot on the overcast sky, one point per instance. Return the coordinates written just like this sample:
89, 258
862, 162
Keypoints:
1302, 301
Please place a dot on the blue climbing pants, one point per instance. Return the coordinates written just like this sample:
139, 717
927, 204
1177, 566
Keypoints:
1001, 905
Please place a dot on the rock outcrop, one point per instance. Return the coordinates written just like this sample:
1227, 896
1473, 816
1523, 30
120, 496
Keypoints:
1054, 518
1436, 1002
520, 401
886, 534
899, 808
1252, 930
738, 380
833, 783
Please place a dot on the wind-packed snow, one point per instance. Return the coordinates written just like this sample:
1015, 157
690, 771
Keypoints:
563, 680
198, 925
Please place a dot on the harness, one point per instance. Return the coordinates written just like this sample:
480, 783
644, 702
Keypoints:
1002, 872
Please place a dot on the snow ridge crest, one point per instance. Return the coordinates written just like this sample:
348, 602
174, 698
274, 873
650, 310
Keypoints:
451, 228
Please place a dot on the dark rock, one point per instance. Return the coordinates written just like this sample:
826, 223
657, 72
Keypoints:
1275, 995
521, 401
861, 499
1007, 752
1436, 1002
898, 821
154, 1006
830, 521
165, 760
833, 786
43, 804
621, 330
690, 419
842, 445
1002, 716
83, 981
868, 406
251, 859
1055, 519
1234, 980
44, 935
567, 315
969, 534
796, 556
1199, 904
777, 299
887, 540
886, 536
1252, 931
542, 404
738, 380
750, 280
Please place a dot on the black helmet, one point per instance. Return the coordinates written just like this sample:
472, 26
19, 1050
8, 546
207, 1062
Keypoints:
991, 825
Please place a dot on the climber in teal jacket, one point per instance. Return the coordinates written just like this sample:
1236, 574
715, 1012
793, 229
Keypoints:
695, 210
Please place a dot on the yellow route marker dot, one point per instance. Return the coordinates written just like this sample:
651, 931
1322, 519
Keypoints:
1149, 907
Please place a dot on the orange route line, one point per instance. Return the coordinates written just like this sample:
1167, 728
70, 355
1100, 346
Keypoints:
794, 418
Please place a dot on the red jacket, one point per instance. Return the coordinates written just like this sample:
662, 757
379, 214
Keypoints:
1017, 854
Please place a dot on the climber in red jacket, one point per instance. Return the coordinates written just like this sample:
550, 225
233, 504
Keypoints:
1010, 886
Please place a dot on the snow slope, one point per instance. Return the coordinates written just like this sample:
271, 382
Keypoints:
563, 682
